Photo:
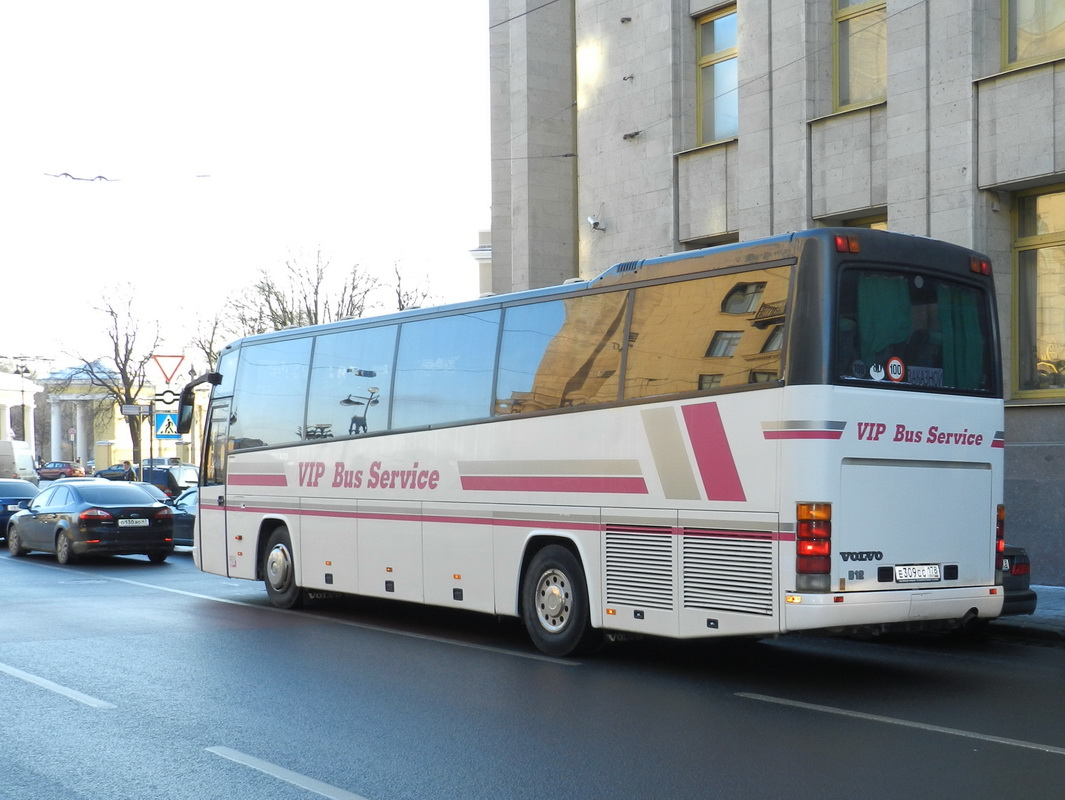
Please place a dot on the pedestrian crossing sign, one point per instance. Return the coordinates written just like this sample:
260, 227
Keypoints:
166, 426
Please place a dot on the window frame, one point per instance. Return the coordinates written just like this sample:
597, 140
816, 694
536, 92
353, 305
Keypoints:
845, 14
1025, 244
729, 340
1009, 34
712, 60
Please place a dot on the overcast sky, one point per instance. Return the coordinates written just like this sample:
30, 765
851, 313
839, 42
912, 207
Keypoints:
234, 135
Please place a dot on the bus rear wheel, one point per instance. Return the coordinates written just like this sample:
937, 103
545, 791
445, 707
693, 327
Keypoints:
555, 603
279, 570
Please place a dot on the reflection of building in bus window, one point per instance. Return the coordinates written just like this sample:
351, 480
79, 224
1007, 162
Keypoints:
561, 353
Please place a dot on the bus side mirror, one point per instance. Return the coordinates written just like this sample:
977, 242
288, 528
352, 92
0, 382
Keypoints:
187, 403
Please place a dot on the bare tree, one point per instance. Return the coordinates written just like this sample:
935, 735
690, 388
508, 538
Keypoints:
407, 297
211, 335
122, 373
302, 296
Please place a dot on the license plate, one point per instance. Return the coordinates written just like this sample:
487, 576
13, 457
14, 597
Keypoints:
11, 508
910, 573
132, 523
1005, 565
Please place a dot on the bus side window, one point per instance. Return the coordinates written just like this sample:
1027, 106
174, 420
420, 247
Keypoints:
561, 353
444, 369
351, 379
272, 387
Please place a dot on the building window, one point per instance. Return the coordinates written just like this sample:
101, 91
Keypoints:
1034, 30
1040, 289
707, 382
875, 223
861, 52
743, 299
718, 79
775, 340
724, 343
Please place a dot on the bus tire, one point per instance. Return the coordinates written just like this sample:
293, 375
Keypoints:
279, 570
555, 603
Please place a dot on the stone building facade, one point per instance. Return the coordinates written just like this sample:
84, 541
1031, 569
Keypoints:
625, 130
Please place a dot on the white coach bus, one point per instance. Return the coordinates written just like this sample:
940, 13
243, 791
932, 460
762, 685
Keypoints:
803, 432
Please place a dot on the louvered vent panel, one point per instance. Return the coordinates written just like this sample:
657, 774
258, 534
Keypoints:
639, 567
728, 573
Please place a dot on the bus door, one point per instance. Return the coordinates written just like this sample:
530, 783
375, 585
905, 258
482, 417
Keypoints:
212, 539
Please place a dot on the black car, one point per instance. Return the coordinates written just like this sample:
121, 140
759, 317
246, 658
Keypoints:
186, 506
12, 492
85, 517
1018, 596
173, 480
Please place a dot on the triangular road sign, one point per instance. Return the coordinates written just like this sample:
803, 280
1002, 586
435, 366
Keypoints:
168, 365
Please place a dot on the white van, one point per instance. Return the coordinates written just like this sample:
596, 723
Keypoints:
16, 461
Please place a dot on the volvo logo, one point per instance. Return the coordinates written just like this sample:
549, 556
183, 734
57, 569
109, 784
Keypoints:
863, 555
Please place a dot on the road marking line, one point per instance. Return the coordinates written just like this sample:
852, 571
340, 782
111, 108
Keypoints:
1046, 748
295, 778
55, 687
565, 662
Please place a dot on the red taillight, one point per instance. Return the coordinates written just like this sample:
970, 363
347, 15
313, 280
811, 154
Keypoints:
95, 515
981, 266
1000, 536
164, 513
847, 244
813, 540
1020, 569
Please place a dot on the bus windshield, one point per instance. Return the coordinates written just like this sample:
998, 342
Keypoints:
910, 329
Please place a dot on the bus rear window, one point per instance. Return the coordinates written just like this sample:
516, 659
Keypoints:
914, 330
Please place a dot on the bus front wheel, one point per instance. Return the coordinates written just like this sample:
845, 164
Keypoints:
279, 570
555, 603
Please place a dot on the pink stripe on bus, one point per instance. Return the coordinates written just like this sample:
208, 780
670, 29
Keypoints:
713, 453
257, 480
800, 434
552, 483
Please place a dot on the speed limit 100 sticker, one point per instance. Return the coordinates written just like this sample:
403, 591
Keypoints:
896, 370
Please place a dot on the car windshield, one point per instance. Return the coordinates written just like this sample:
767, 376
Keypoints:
17, 489
103, 494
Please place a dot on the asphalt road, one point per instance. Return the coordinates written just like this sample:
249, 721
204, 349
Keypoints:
122, 679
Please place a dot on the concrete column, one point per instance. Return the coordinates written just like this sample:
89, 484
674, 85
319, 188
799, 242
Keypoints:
5, 422
28, 426
56, 452
83, 432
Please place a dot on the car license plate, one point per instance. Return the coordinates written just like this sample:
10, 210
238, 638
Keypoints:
132, 523
1005, 565
910, 573
11, 508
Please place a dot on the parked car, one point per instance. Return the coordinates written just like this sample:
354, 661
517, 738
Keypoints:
60, 469
1018, 596
115, 472
12, 492
173, 480
91, 516
155, 492
186, 507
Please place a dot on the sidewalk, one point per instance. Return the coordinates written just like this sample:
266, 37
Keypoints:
1048, 619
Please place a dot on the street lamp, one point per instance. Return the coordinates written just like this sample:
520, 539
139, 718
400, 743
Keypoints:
23, 372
